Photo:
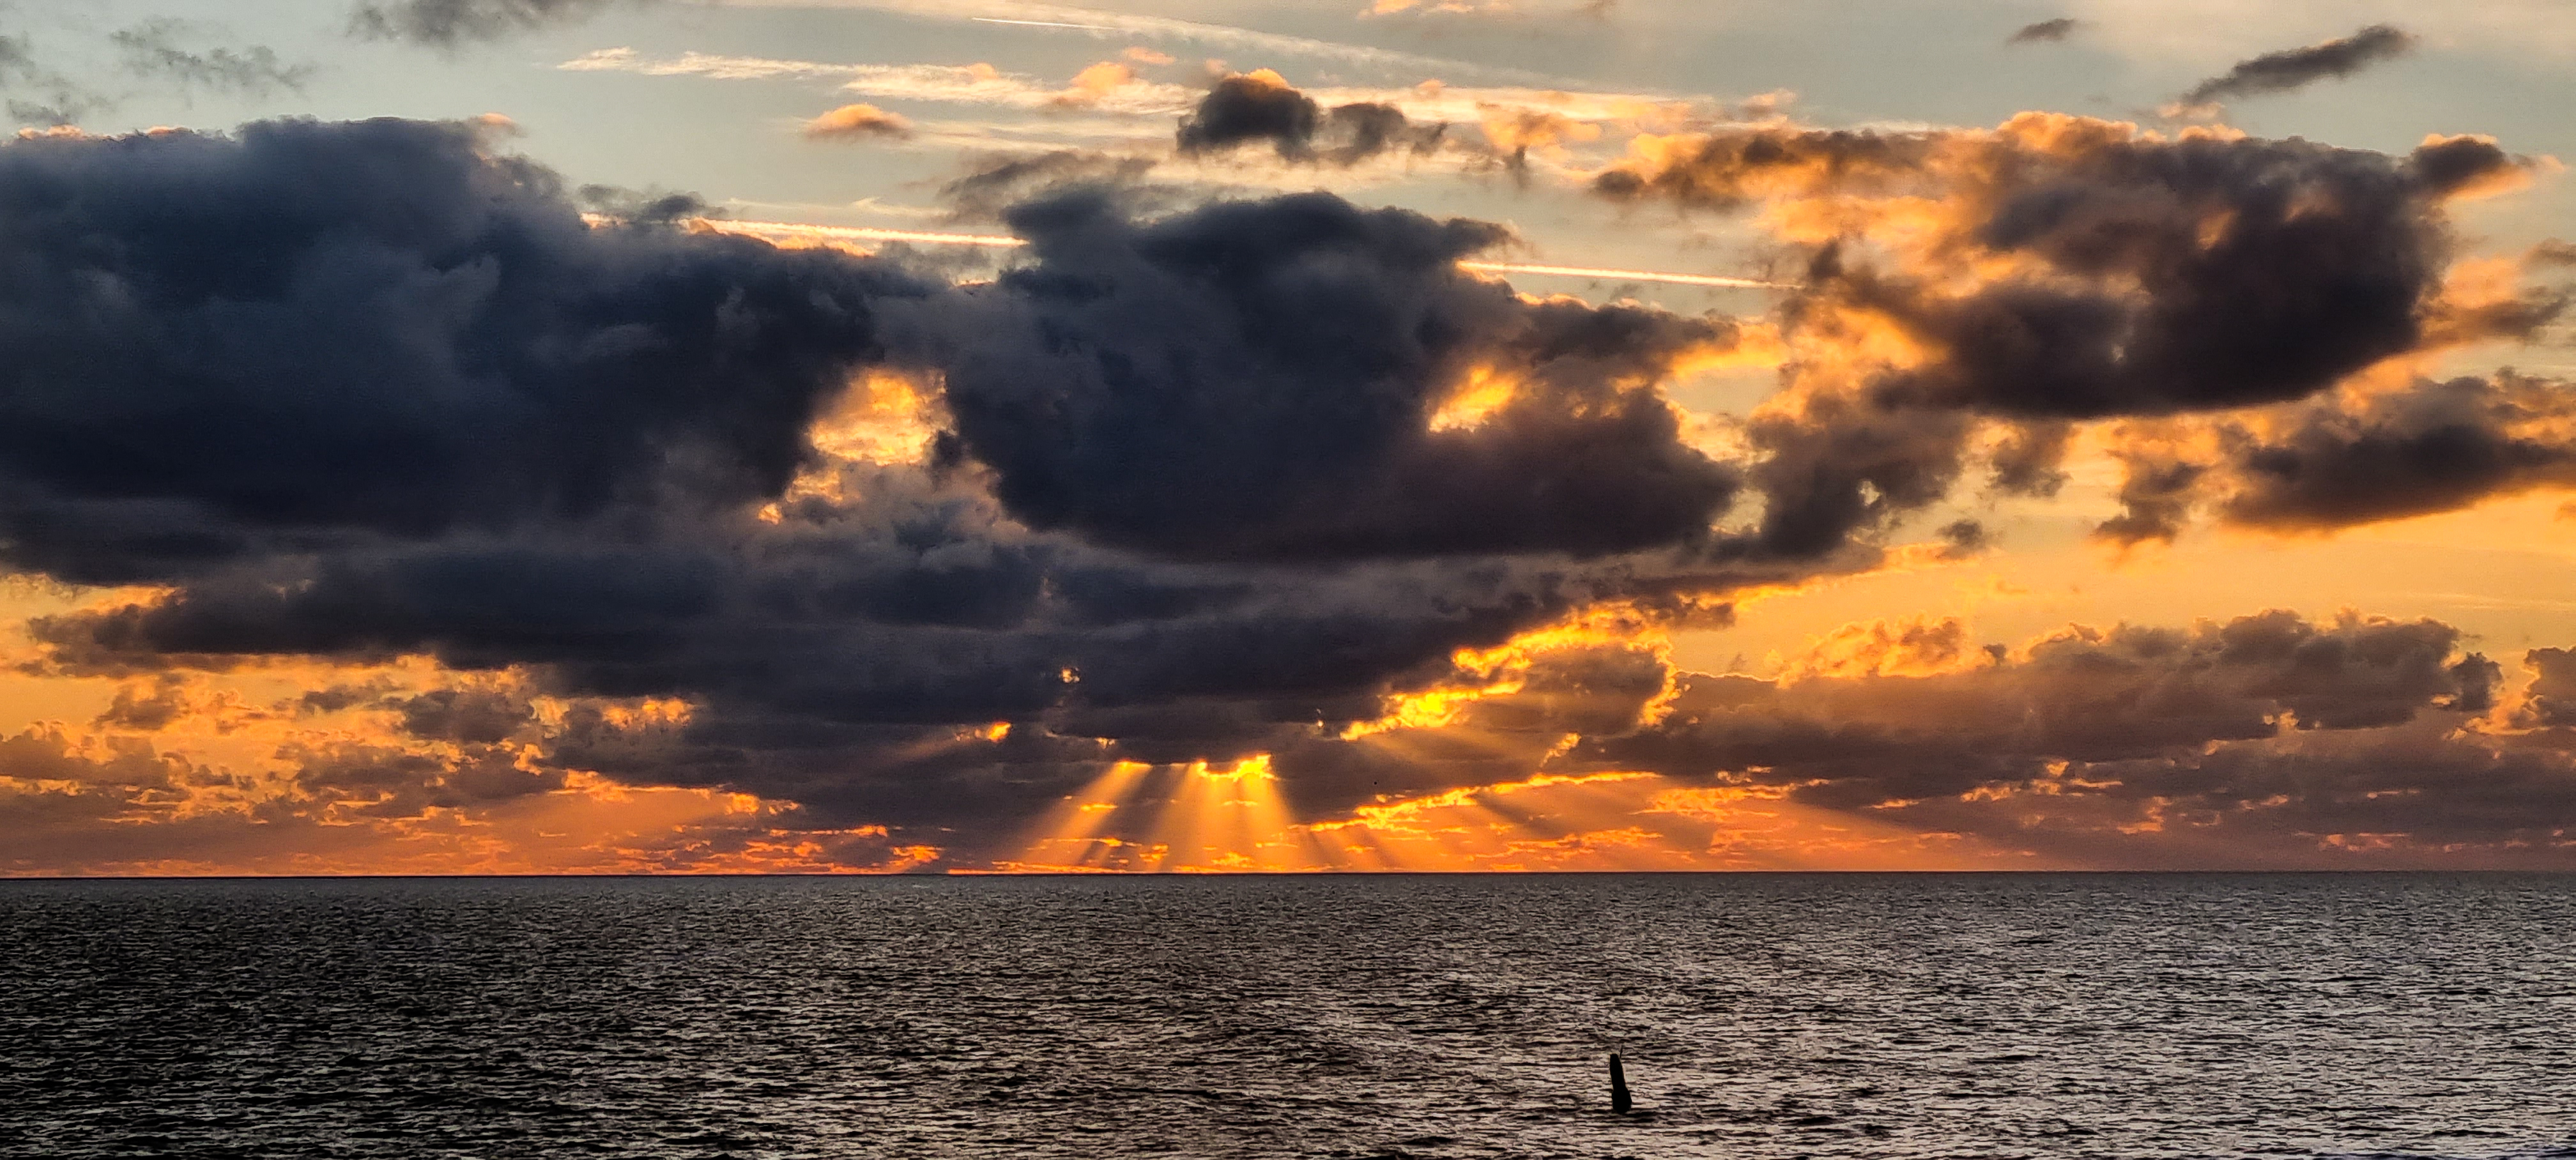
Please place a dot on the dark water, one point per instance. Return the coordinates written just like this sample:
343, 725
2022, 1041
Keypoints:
1761, 1016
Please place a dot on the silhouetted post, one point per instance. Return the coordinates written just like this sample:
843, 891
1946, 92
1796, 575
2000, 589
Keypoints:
1618, 1085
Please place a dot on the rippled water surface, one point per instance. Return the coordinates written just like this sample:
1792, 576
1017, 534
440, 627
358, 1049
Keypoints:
1761, 1016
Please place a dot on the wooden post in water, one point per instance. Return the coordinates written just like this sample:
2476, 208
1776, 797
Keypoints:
1618, 1085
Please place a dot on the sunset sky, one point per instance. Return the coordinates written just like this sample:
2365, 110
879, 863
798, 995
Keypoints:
537, 436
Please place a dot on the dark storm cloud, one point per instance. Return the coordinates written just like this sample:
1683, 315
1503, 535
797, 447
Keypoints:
1207, 486
1845, 465
2280, 72
2045, 31
158, 48
365, 391
2132, 694
2438, 447
1260, 379
1259, 108
2332, 464
451, 23
318, 333
839, 657
2158, 276
2203, 272
2324, 261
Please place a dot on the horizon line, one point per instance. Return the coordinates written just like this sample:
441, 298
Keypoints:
1196, 874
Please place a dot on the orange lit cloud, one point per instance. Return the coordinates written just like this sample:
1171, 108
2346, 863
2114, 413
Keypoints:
1094, 83
1327, 553
1892, 746
856, 122
1956, 311
289, 766
336, 792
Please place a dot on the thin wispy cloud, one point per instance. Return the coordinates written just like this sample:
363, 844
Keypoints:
162, 49
974, 84
2288, 69
2045, 31
453, 23
1092, 20
985, 85
38, 94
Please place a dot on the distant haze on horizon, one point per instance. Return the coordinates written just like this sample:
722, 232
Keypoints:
743, 436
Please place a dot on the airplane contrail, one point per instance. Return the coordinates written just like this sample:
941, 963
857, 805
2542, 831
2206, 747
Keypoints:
793, 230
1043, 23
1626, 275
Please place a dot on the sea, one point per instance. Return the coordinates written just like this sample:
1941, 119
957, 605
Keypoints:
1756, 1016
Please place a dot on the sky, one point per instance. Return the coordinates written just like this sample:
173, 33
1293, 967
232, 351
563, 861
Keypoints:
739, 436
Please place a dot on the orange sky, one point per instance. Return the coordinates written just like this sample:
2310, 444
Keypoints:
1094, 494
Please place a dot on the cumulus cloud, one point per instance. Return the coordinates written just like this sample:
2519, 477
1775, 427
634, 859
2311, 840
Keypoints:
2271, 734
48, 754
2438, 447
439, 412
1094, 83
2550, 702
1262, 380
2115, 273
1267, 481
337, 790
436, 341
2280, 72
2195, 222
2429, 446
